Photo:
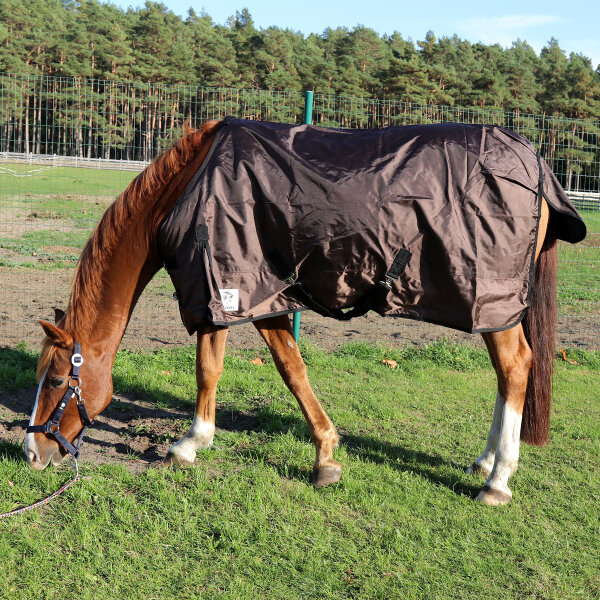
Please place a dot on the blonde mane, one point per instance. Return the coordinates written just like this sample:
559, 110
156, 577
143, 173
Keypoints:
139, 198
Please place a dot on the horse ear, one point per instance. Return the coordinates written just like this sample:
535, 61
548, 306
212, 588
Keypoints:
59, 315
58, 336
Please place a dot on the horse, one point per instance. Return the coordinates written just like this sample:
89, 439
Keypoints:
122, 256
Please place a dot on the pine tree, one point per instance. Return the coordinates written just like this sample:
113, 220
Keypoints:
214, 55
247, 42
519, 64
275, 59
489, 85
436, 54
554, 87
406, 76
314, 70
162, 46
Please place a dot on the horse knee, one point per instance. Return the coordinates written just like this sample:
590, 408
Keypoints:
209, 376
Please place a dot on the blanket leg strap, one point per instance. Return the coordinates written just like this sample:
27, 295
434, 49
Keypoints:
378, 293
373, 298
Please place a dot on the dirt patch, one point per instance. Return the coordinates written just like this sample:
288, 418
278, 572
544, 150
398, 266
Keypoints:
60, 250
20, 220
133, 433
129, 431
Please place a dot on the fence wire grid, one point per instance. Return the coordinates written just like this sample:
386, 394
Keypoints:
69, 146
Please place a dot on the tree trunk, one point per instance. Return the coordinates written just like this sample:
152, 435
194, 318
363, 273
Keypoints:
90, 122
19, 135
38, 131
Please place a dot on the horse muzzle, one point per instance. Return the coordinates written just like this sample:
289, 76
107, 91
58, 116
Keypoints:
41, 452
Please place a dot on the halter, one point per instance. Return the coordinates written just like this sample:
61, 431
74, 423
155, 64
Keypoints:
51, 426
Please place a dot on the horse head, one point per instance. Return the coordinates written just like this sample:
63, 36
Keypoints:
74, 385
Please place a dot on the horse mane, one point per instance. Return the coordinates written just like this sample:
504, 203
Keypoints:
141, 196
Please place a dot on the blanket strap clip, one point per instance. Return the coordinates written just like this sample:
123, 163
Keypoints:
400, 261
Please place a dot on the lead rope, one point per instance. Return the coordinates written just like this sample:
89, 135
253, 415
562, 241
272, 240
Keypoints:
58, 492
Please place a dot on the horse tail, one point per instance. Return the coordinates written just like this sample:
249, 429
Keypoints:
540, 330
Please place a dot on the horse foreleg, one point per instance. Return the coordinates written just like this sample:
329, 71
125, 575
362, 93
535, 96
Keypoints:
210, 351
277, 333
511, 357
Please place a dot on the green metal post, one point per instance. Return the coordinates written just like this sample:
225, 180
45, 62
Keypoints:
308, 106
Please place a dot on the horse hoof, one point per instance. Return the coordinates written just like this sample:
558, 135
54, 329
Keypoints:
492, 497
476, 469
326, 475
172, 460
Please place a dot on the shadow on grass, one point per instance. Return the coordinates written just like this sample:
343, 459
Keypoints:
11, 450
19, 367
429, 466
362, 447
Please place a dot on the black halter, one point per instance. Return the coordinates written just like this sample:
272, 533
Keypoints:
52, 425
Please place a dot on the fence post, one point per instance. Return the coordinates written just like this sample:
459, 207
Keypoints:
308, 106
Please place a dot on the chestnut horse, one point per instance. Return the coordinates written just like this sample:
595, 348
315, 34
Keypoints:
120, 259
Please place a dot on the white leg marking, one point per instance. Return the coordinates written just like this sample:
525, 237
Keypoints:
199, 435
507, 453
486, 460
30, 445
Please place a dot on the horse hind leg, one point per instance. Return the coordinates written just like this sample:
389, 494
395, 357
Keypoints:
485, 461
512, 358
277, 333
210, 351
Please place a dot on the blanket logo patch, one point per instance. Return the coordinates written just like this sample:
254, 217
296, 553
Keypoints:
230, 299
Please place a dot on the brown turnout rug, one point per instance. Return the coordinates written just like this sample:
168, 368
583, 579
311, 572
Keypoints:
430, 222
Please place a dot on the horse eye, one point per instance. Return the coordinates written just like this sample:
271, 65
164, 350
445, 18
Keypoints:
55, 382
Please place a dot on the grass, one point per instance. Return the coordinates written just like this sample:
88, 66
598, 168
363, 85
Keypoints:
60, 182
49, 213
245, 522
579, 271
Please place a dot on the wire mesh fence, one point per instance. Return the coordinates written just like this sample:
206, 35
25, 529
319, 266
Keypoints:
68, 147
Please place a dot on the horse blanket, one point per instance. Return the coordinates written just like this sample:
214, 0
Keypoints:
430, 222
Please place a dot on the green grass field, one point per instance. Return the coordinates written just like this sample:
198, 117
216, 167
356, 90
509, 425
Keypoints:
246, 523
49, 213
19, 180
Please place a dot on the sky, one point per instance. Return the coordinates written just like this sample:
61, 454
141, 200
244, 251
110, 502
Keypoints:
575, 24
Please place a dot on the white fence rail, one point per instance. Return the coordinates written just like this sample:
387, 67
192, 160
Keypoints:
585, 200
54, 160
